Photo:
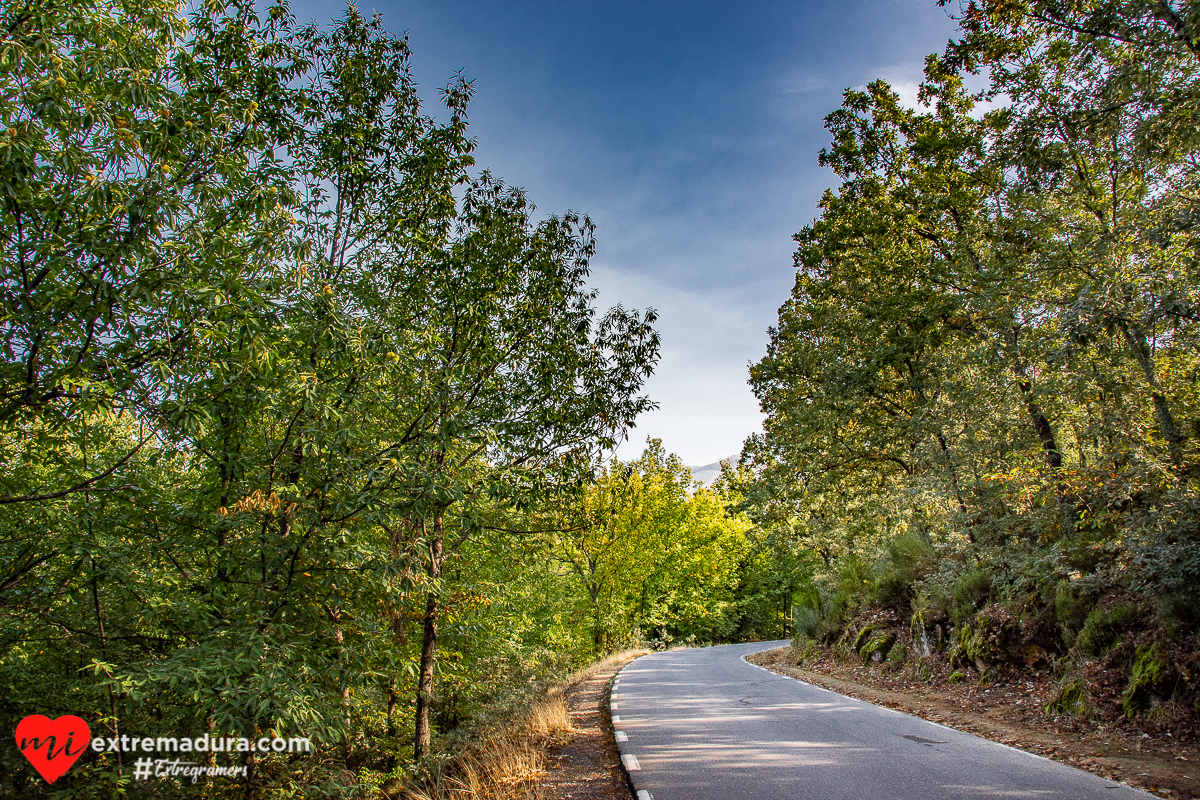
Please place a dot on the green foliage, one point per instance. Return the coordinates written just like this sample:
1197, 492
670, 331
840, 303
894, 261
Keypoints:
909, 558
1071, 699
970, 593
1103, 625
911, 555
1149, 671
970, 646
877, 647
653, 555
1070, 609
983, 382
285, 395
806, 622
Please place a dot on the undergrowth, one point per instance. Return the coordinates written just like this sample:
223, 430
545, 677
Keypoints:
504, 754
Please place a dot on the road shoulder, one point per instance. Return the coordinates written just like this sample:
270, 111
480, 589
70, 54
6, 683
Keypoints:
588, 767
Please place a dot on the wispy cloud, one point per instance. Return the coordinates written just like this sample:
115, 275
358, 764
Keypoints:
801, 83
708, 337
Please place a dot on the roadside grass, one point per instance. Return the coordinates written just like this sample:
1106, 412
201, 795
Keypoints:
509, 757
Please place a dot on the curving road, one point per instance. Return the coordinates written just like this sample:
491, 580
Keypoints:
704, 724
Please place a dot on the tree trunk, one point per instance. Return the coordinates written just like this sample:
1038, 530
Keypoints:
423, 736
597, 628
248, 764
1045, 433
1167, 427
1037, 418
398, 622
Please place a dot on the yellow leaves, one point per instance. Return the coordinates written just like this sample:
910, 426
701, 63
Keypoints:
256, 501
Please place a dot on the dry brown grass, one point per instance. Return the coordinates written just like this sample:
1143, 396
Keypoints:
509, 760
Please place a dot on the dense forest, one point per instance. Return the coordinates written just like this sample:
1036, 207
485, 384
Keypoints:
306, 424
307, 421
982, 393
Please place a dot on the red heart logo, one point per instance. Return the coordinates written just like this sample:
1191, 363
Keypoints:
49, 744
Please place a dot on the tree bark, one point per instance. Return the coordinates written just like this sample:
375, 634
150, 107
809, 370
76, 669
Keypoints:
1045, 433
1037, 418
1167, 426
423, 736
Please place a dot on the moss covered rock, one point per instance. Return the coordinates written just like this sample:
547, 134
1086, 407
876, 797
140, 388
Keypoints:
864, 636
1148, 672
877, 646
970, 647
1071, 700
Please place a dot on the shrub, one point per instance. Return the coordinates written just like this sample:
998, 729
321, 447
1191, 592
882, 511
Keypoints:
1102, 625
971, 591
909, 558
807, 622
854, 586
1070, 609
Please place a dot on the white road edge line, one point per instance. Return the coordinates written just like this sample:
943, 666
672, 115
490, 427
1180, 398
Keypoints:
614, 706
631, 763
616, 718
620, 736
644, 795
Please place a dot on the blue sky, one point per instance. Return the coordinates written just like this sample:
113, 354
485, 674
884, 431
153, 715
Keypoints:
689, 132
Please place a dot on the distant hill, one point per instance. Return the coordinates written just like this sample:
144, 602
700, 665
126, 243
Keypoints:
709, 472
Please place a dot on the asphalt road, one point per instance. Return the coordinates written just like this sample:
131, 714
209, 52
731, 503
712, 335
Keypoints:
704, 724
